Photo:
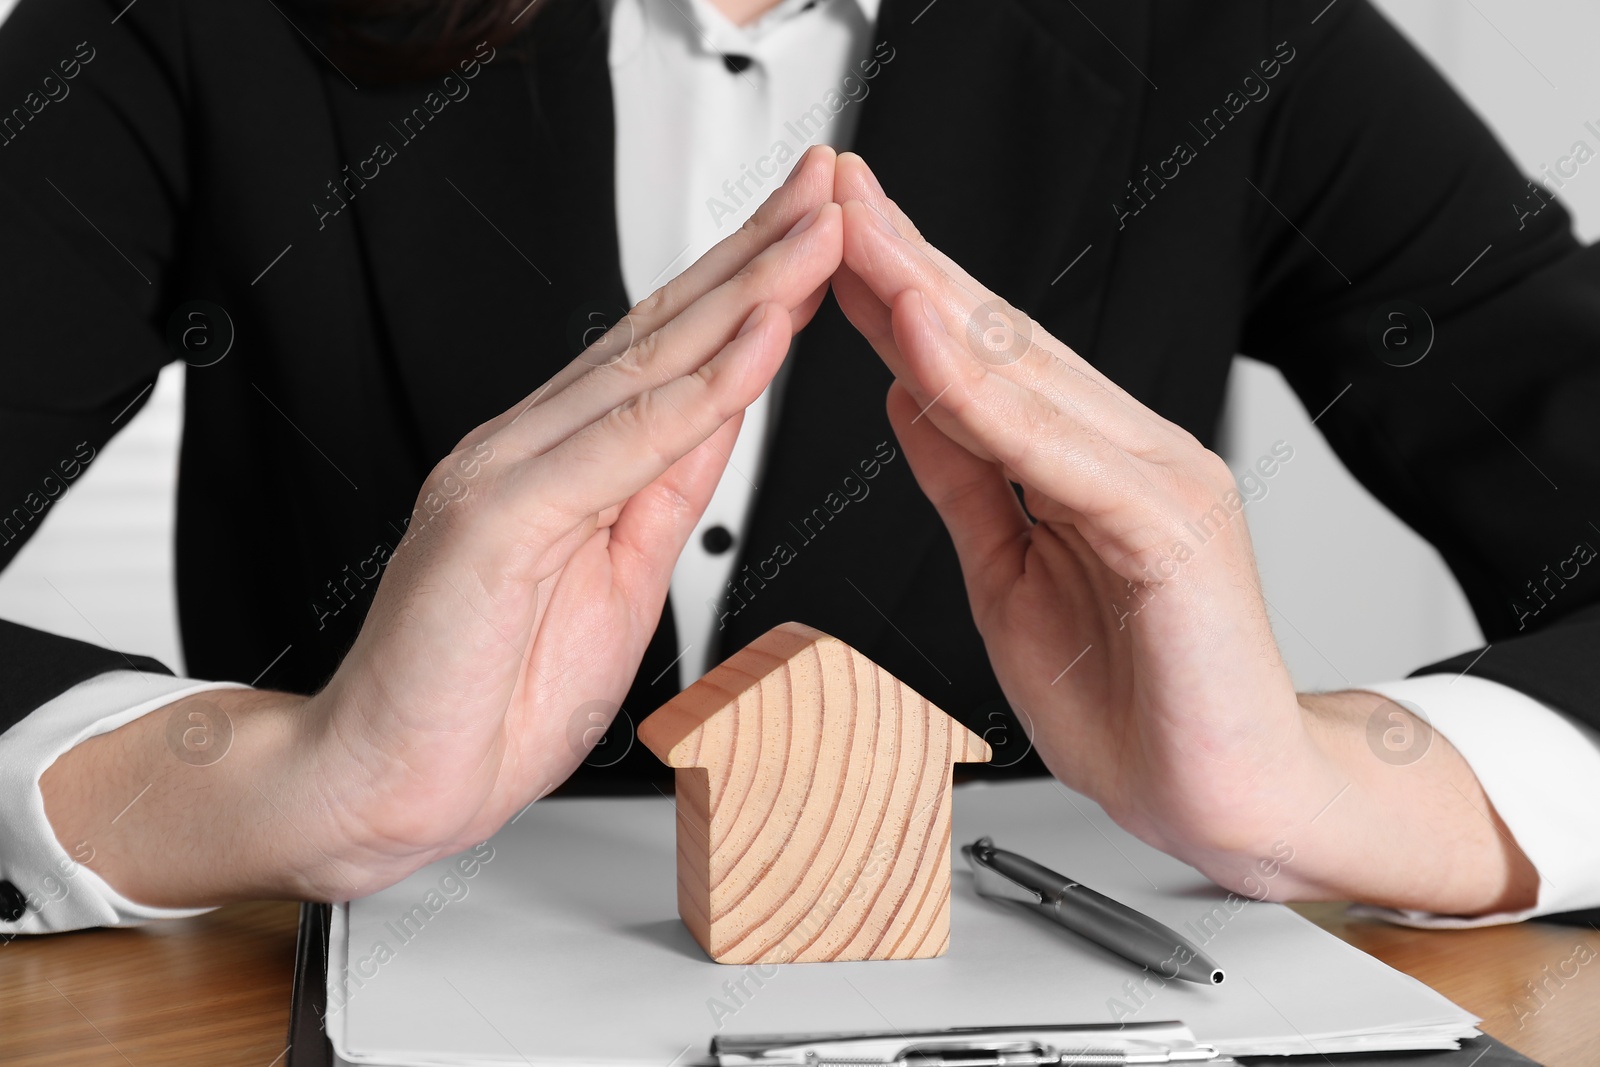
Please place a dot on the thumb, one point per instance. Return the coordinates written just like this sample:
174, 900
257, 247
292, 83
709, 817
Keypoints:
973, 497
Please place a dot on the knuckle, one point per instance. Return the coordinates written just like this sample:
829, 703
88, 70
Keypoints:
1202, 489
750, 276
1213, 471
653, 305
466, 444
636, 417
446, 495
748, 240
445, 476
764, 276
476, 442
767, 215
642, 419
636, 361
708, 375
1043, 417
1182, 438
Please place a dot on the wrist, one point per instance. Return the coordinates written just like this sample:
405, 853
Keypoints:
189, 805
380, 808
1265, 842
1409, 825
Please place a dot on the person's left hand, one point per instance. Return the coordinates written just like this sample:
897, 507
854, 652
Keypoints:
1126, 623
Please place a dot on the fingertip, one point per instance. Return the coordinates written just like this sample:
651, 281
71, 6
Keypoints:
752, 321
805, 223
900, 406
825, 219
808, 185
768, 326
821, 155
858, 212
829, 216
807, 308
814, 172
799, 166
853, 179
831, 223
822, 239
930, 314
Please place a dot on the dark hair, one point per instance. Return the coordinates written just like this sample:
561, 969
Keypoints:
389, 40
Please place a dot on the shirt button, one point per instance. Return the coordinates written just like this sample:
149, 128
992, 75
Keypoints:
736, 64
13, 905
716, 540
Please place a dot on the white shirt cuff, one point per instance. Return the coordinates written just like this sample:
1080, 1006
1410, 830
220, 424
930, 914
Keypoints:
61, 893
1540, 770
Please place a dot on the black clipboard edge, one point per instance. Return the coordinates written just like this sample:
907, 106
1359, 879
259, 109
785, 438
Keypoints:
308, 1000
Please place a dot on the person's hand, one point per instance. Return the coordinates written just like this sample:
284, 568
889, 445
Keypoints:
1179, 674
1125, 620
522, 606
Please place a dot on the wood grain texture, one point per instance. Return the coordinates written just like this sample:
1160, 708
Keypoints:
1497, 972
210, 990
813, 805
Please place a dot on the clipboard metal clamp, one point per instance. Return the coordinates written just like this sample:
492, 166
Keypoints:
978, 1046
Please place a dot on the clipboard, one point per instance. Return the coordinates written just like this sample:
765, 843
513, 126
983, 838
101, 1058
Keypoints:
585, 886
309, 1045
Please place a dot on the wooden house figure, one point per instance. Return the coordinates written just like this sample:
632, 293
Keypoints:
814, 798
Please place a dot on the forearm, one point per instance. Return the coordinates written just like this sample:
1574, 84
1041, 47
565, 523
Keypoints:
1412, 828
200, 803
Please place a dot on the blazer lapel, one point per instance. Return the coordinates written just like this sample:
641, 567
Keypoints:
1006, 144
490, 233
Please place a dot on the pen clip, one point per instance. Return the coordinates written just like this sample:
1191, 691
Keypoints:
991, 882
1091, 1045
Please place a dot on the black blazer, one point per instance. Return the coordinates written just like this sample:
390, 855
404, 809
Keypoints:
1292, 176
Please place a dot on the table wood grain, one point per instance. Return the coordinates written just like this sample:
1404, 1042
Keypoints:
213, 991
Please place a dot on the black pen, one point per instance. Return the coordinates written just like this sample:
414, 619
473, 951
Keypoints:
1008, 876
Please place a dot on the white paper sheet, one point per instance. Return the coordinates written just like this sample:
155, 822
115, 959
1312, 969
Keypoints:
566, 948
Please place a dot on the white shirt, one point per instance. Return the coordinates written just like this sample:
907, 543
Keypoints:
686, 125
698, 148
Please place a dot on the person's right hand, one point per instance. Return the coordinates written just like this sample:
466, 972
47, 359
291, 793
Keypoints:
518, 606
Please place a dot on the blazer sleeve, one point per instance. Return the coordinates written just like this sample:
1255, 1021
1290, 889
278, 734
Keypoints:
37, 667
92, 181
1401, 200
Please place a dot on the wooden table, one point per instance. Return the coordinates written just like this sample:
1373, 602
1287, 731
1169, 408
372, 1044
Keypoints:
214, 991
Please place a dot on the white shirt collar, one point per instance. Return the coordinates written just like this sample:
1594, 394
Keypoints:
714, 27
